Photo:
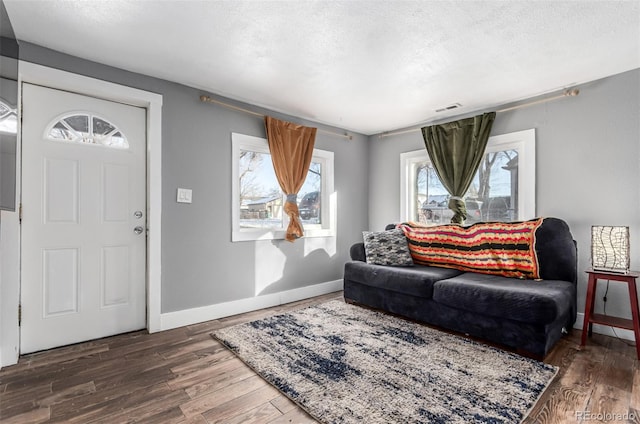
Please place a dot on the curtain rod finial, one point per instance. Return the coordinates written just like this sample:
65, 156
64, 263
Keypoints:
204, 98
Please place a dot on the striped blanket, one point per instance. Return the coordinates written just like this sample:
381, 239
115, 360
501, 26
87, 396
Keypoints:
502, 248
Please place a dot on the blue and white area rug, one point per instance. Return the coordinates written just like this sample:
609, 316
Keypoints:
347, 364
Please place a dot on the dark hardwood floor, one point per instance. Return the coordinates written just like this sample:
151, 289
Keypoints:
185, 376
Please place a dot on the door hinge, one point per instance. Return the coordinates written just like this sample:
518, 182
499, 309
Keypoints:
20, 213
19, 315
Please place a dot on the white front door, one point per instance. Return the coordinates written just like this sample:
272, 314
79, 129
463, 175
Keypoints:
83, 218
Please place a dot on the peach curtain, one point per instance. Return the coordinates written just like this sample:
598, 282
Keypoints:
291, 148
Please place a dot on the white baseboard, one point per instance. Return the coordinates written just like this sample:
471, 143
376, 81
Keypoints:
177, 319
605, 329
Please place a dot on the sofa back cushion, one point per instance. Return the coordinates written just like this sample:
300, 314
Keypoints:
556, 251
539, 248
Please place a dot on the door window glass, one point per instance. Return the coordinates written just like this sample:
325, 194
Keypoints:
87, 129
8, 119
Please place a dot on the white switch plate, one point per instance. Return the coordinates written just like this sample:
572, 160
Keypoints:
184, 195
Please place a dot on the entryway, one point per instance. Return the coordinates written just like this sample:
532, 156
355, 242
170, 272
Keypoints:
84, 218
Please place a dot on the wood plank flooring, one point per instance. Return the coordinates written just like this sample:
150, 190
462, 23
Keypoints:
185, 376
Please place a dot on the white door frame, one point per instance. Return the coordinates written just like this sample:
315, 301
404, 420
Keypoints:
152, 102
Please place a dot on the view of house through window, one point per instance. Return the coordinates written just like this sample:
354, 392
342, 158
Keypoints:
262, 200
503, 189
258, 201
492, 196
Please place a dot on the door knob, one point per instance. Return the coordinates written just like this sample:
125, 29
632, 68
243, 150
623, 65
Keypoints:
138, 230
138, 214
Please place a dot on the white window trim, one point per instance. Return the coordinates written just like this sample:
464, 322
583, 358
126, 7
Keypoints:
524, 141
328, 212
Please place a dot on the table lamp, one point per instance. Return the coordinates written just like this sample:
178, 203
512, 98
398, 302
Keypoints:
610, 249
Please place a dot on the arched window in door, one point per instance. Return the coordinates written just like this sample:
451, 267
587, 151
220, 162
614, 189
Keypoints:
86, 128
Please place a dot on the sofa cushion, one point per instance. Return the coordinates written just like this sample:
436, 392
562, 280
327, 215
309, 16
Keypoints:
539, 302
387, 248
415, 281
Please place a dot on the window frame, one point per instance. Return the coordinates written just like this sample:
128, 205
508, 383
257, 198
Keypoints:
523, 141
327, 226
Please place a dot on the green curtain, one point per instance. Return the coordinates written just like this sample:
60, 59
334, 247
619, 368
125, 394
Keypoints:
456, 149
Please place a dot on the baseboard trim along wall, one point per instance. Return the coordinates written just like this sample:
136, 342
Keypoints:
177, 319
620, 333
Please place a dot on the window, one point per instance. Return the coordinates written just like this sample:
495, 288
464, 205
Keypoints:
86, 129
503, 189
8, 119
258, 202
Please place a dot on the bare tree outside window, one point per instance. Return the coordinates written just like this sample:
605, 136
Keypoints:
431, 196
496, 184
314, 177
249, 162
260, 196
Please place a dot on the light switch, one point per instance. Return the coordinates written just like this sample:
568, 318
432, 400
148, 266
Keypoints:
184, 195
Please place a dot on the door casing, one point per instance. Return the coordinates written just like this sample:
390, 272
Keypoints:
87, 248
10, 282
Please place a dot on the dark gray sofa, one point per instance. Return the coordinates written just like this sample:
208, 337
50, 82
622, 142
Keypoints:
523, 315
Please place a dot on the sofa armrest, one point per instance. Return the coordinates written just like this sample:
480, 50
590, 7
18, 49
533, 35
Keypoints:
357, 252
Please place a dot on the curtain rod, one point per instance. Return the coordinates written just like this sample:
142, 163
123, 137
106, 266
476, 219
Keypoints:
208, 99
567, 93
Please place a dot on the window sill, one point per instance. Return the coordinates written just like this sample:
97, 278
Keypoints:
253, 235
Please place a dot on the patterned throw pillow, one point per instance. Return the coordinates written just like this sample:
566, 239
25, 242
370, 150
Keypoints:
387, 248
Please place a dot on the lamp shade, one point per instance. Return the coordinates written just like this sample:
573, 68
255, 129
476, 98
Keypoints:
610, 248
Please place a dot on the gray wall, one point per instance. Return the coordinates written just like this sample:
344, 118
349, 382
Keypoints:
200, 265
587, 167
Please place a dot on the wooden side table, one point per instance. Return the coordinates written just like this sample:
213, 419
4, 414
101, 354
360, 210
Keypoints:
590, 317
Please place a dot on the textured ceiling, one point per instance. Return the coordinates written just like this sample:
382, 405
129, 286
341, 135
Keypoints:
366, 66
